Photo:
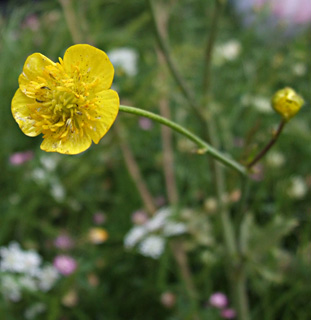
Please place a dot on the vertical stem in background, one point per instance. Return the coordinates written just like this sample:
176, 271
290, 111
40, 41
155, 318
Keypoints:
72, 23
177, 246
135, 173
236, 269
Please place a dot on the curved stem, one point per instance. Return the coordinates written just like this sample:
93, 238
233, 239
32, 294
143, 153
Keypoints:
204, 146
269, 144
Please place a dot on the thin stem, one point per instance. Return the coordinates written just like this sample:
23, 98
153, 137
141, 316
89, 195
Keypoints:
269, 144
171, 63
210, 45
73, 25
135, 173
205, 147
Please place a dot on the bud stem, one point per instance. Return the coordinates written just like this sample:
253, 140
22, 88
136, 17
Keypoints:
269, 145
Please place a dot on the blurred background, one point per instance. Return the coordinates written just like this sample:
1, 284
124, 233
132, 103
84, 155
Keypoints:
94, 236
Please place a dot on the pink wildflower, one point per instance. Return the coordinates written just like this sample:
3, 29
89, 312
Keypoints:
218, 300
65, 265
19, 158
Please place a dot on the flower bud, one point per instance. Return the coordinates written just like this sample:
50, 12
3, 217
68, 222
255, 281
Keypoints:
287, 103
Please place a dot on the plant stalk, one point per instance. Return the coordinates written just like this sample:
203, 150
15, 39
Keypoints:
204, 146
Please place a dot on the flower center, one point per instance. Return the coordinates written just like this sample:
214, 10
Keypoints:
62, 103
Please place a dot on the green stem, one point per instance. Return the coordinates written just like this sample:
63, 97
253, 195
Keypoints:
269, 144
171, 63
210, 45
204, 146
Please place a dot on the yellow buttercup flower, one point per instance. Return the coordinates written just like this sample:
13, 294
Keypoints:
287, 103
70, 102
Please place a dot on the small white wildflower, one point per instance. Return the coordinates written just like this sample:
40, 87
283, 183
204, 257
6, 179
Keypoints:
47, 277
12, 258
33, 311
275, 159
158, 220
10, 288
260, 103
124, 58
299, 69
49, 162
27, 282
134, 236
152, 246
39, 175
231, 49
298, 188
58, 191
174, 229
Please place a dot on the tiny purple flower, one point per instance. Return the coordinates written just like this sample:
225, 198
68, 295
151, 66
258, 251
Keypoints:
145, 123
64, 242
139, 217
218, 300
18, 158
228, 313
99, 218
65, 265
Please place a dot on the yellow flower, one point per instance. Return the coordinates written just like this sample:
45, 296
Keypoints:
98, 235
287, 103
69, 102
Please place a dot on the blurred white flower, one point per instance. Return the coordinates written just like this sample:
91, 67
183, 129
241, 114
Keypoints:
158, 220
134, 236
260, 103
39, 175
227, 51
298, 188
275, 159
33, 311
49, 162
47, 277
27, 282
299, 69
21, 270
14, 259
57, 191
174, 229
125, 58
152, 246
10, 288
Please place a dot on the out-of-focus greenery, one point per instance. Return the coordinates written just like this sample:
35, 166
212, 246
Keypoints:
276, 228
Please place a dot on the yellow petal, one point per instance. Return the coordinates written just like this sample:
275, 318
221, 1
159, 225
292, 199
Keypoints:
72, 144
106, 113
92, 63
33, 67
22, 114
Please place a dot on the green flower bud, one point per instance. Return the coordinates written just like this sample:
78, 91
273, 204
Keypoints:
287, 103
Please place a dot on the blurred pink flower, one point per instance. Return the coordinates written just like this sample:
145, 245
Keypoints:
63, 241
228, 313
99, 218
32, 22
19, 158
168, 299
65, 265
145, 123
218, 300
139, 217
